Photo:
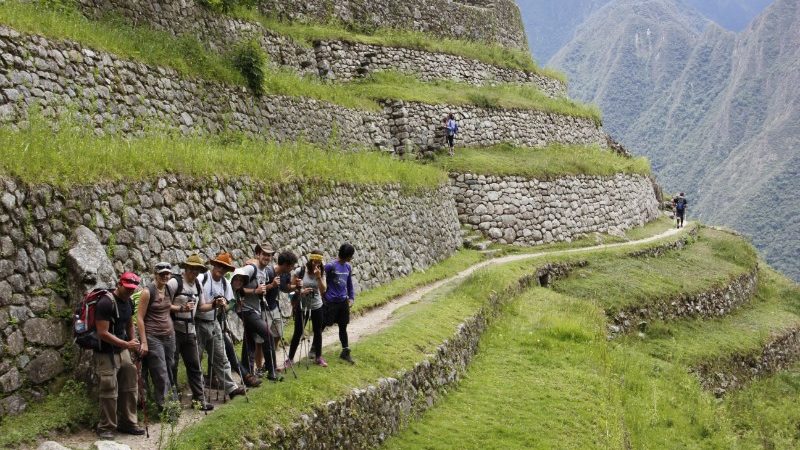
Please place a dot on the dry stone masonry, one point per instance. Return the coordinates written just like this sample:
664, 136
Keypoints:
517, 210
728, 374
495, 21
340, 60
716, 301
114, 93
140, 223
418, 127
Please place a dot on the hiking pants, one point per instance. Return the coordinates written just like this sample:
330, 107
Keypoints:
159, 361
209, 338
338, 313
301, 317
186, 348
117, 390
254, 325
230, 353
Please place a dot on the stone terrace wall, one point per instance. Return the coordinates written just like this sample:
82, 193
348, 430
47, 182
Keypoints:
141, 223
330, 59
346, 61
497, 22
119, 93
517, 210
418, 127
716, 301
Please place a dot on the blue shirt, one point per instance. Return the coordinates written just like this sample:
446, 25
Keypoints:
339, 278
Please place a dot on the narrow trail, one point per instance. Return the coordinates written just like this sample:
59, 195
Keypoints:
368, 323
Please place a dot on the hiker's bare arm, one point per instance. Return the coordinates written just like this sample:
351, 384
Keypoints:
104, 335
323, 286
144, 303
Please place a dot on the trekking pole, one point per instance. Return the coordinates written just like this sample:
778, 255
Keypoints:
270, 345
283, 343
306, 341
142, 395
211, 358
197, 351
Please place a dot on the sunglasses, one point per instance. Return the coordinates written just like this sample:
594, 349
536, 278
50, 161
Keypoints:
130, 281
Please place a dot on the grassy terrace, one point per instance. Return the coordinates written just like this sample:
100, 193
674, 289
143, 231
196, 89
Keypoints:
775, 309
495, 55
36, 154
542, 163
714, 258
191, 59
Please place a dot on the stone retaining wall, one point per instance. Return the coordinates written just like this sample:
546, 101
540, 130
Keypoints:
496, 21
660, 250
339, 60
517, 210
725, 375
140, 223
124, 96
418, 127
365, 418
115, 93
716, 301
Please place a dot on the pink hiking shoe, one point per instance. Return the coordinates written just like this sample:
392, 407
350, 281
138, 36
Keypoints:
321, 362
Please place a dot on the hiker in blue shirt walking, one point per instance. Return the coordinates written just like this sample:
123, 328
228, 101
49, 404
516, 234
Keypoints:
340, 296
452, 129
679, 203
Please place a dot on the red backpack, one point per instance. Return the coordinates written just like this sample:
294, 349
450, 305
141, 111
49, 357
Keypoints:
83, 324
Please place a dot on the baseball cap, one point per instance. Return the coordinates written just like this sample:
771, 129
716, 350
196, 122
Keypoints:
129, 280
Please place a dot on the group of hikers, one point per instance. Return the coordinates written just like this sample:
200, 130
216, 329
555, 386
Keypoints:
181, 316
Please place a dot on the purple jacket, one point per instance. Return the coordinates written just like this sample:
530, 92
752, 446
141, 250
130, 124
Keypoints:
339, 278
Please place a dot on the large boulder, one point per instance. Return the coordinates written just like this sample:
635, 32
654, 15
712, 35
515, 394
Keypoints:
88, 265
46, 366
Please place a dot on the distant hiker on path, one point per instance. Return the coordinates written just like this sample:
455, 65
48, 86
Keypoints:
156, 331
340, 296
679, 203
112, 360
451, 127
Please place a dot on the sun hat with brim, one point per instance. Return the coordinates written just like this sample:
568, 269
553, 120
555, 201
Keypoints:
225, 260
240, 272
130, 280
265, 247
162, 267
194, 262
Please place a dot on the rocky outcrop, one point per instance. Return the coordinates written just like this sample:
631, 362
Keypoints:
139, 223
517, 210
731, 373
716, 301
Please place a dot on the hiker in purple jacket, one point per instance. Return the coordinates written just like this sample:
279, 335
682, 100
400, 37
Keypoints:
340, 296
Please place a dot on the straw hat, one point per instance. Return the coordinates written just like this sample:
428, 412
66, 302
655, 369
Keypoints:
194, 262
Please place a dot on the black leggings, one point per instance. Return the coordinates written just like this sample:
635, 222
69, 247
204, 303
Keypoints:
255, 325
338, 313
301, 317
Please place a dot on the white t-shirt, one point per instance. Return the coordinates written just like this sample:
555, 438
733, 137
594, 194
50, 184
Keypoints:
211, 290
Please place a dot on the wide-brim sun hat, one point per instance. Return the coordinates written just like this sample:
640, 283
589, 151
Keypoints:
265, 247
194, 262
240, 272
225, 260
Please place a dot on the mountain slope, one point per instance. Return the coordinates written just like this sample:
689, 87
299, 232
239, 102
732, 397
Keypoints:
714, 110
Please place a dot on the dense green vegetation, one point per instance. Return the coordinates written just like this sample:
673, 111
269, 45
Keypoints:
542, 163
244, 66
713, 259
72, 156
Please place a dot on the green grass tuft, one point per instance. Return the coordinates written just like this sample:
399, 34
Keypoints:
70, 156
547, 163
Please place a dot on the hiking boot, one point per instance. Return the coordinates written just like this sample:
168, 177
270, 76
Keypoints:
275, 378
236, 392
105, 434
250, 380
132, 430
321, 362
312, 355
345, 355
201, 405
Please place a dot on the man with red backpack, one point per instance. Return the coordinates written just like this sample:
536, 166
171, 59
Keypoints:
112, 359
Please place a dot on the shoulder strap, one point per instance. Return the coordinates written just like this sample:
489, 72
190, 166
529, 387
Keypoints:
302, 272
198, 287
255, 273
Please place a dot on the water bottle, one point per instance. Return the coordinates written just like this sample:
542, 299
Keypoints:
80, 325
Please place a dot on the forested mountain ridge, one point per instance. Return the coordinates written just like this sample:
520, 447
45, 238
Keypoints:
714, 110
